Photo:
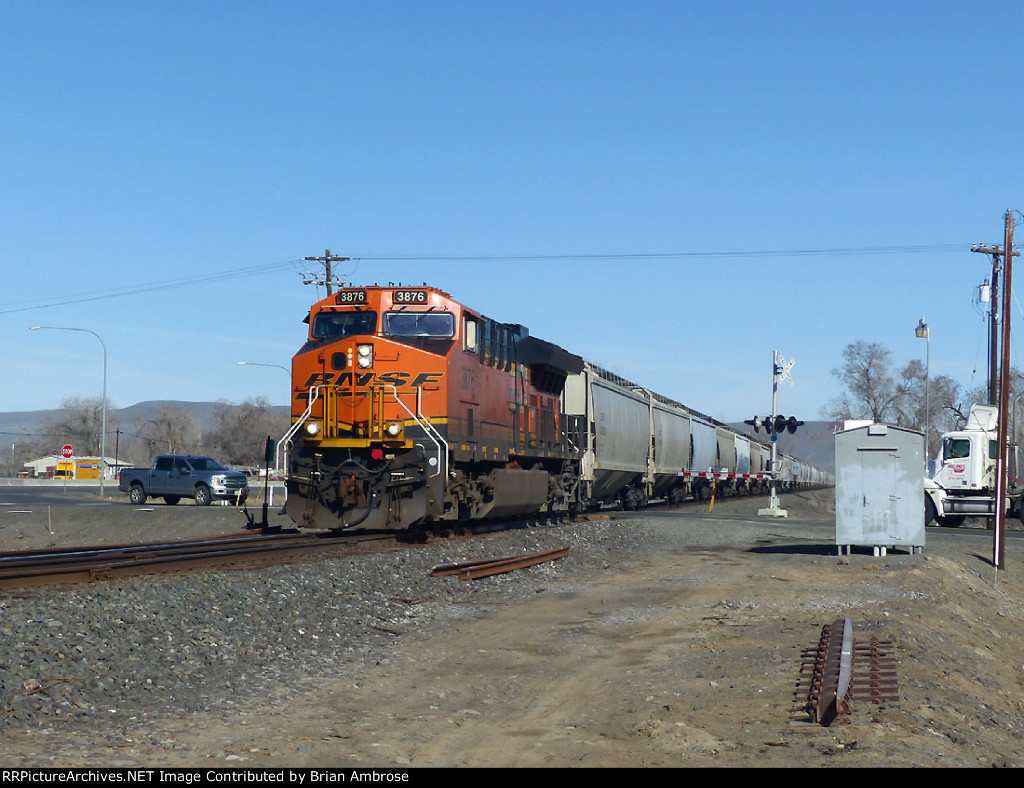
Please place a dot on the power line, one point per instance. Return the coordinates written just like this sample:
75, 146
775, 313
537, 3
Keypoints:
168, 284
149, 287
863, 250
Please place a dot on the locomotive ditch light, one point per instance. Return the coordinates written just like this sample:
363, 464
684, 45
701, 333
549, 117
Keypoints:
393, 429
313, 428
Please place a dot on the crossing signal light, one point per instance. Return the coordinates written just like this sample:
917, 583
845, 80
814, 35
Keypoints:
776, 426
753, 423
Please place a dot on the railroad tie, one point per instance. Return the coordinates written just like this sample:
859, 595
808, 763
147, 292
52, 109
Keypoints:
844, 680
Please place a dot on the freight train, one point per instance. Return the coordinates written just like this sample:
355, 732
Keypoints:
410, 409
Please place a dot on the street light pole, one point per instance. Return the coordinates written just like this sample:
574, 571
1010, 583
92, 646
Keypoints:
922, 332
103, 427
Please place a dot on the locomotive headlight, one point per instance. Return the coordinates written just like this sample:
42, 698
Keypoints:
365, 356
313, 428
393, 429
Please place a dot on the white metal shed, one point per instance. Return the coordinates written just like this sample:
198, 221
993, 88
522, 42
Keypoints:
880, 488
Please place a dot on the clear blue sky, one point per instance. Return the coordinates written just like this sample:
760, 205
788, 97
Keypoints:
185, 155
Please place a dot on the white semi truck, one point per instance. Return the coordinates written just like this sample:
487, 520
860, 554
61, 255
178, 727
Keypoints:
964, 484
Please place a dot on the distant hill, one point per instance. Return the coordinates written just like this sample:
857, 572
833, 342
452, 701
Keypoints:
17, 426
814, 442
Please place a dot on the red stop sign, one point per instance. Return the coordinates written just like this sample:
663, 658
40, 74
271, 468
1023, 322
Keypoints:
67, 451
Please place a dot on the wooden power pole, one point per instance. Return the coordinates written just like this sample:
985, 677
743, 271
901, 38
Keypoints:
327, 259
1004, 400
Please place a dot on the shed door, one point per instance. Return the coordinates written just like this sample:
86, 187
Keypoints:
879, 499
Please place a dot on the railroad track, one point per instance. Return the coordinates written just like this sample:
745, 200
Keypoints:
87, 564
245, 550
843, 679
474, 570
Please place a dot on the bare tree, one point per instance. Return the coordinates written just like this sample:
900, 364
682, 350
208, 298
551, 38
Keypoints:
239, 432
170, 430
79, 422
872, 389
23, 450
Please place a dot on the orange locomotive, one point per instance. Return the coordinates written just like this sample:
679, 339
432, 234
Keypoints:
409, 408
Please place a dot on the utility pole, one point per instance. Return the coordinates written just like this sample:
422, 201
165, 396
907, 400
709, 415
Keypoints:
327, 259
996, 252
998, 535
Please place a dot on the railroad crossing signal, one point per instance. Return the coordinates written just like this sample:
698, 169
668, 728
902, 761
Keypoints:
776, 425
790, 424
782, 368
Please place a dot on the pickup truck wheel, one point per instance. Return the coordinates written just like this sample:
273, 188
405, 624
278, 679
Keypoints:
136, 495
203, 496
170, 500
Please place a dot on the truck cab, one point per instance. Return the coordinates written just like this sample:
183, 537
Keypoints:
964, 483
967, 461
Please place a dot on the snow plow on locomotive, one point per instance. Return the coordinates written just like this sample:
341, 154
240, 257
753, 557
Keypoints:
409, 408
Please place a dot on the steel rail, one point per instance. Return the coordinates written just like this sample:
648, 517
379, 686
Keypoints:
70, 565
472, 570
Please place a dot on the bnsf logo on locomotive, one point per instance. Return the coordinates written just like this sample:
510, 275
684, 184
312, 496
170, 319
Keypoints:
363, 379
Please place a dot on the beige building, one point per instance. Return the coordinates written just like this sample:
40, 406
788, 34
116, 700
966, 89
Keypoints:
53, 466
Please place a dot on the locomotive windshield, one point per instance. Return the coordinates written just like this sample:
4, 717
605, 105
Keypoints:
430, 331
435, 325
331, 324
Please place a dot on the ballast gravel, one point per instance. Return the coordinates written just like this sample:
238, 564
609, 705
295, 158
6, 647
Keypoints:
105, 659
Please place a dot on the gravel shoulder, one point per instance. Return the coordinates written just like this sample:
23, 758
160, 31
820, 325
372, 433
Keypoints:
672, 638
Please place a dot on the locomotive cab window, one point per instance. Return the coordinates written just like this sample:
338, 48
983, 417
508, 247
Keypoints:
435, 325
336, 325
469, 340
430, 331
